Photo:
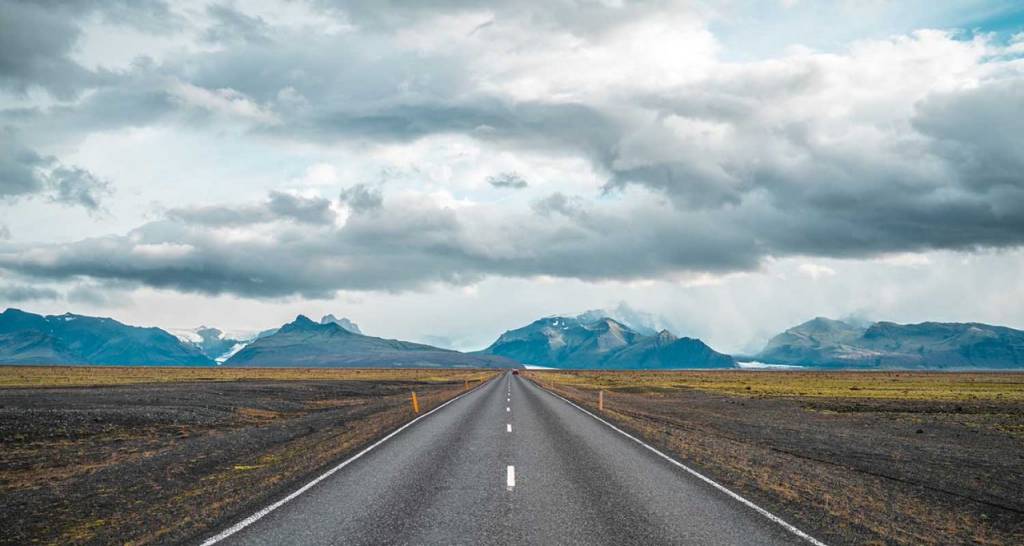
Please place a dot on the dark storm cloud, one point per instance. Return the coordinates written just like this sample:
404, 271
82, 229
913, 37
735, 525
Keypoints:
509, 180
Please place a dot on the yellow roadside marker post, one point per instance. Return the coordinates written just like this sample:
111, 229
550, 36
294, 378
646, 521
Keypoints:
600, 400
415, 403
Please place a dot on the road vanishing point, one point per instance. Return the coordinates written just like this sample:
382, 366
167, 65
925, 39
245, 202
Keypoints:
510, 463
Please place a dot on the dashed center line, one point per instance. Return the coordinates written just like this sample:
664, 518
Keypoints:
508, 427
510, 477
508, 409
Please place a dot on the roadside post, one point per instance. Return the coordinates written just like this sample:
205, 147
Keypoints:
600, 400
415, 403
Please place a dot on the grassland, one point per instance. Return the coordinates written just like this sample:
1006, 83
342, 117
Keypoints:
853, 458
924, 386
165, 455
94, 376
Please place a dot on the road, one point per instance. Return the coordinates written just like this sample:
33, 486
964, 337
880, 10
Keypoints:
510, 463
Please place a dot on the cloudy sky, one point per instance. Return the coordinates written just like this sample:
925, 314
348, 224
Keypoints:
445, 170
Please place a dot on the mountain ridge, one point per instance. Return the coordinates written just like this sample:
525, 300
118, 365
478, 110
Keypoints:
28, 338
585, 342
306, 343
828, 343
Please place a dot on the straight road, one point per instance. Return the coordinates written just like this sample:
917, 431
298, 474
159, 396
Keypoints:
510, 463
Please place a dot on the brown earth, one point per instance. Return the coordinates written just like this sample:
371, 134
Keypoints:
868, 458
171, 461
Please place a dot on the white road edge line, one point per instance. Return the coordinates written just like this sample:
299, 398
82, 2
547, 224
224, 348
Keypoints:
510, 477
258, 515
785, 525
508, 427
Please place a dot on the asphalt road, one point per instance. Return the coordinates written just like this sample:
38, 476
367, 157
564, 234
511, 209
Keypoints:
446, 480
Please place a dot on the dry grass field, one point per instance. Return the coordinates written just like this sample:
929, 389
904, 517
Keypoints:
85, 376
886, 457
95, 455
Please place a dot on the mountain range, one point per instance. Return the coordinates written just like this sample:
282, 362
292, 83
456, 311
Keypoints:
27, 338
826, 343
591, 340
304, 343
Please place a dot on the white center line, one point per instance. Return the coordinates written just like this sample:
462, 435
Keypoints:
510, 479
508, 409
508, 427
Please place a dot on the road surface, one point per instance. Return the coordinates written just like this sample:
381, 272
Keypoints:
510, 463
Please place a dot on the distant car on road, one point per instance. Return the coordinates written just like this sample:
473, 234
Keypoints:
515, 372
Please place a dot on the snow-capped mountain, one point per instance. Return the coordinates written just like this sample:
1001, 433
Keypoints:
588, 342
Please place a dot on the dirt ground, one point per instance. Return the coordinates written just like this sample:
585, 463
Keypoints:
879, 458
167, 462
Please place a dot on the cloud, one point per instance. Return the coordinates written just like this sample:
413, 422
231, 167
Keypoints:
17, 293
699, 163
362, 198
279, 206
816, 271
18, 166
230, 25
412, 243
509, 180
39, 39
35, 48
24, 172
76, 186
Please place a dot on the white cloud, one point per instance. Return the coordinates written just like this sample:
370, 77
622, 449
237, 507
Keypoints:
815, 271
224, 101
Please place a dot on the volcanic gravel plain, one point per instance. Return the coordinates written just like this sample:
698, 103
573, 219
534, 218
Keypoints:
851, 458
98, 455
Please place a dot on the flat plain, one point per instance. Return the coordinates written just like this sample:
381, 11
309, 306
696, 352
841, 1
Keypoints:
101, 455
883, 457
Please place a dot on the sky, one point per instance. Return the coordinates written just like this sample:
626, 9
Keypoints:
443, 171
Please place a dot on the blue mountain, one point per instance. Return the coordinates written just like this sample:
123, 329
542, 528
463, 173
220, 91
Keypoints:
27, 338
591, 342
827, 343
